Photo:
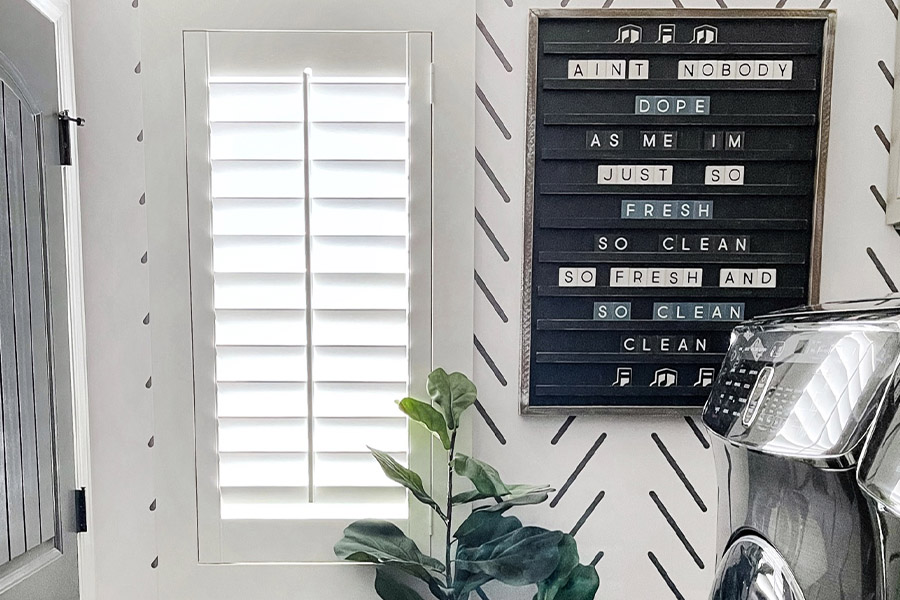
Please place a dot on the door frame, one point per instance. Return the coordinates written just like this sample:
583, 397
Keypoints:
59, 12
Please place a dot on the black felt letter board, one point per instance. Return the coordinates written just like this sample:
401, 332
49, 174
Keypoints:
675, 178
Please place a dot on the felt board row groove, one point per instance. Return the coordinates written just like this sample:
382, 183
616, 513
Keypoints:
640, 561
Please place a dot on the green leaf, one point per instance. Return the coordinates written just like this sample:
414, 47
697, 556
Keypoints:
467, 582
505, 505
423, 413
483, 476
568, 560
452, 393
383, 543
389, 588
466, 497
583, 584
405, 477
479, 528
515, 491
525, 556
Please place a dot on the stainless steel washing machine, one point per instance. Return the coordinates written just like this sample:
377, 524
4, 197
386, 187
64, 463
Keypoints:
790, 412
879, 477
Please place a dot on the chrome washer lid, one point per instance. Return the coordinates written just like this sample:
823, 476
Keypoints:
752, 569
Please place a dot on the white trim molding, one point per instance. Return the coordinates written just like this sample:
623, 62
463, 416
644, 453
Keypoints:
59, 13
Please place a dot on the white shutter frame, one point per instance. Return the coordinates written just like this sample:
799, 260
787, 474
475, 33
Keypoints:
226, 540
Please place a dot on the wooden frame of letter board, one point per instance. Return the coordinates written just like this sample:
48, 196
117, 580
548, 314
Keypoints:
824, 116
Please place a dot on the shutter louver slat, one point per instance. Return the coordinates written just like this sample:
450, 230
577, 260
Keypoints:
255, 141
360, 141
267, 399
263, 327
360, 327
258, 216
353, 399
259, 290
358, 254
358, 178
255, 102
356, 290
372, 363
360, 216
258, 254
359, 257
257, 179
260, 363
262, 435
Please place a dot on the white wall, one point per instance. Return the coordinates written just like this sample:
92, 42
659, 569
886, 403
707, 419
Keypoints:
108, 88
626, 524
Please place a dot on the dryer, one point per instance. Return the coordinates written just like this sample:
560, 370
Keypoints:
790, 411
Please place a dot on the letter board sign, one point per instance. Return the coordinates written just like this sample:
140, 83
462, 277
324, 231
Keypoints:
675, 177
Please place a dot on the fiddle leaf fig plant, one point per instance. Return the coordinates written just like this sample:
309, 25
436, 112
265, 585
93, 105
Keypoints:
488, 545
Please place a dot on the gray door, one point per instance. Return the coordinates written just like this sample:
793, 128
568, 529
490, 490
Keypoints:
38, 550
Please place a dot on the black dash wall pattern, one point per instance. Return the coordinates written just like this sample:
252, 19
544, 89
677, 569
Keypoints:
674, 188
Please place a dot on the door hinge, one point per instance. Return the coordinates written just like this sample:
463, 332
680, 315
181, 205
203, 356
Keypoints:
81, 525
65, 136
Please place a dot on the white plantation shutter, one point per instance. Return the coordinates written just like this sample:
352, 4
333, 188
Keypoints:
302, 357
275, 459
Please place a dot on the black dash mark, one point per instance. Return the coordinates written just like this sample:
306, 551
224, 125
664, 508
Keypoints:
155, 563
490, 362
490, 235
490, 422
597, 558
490, 174
892, 6
721, 3
780, 3
882, 270
878, 197
491, 111
697, 432
578, 470
678, 3
607, 4
886, 72
678, 532
562, 430
509, 3
490, 298
493, 44
825, 3
665, 576
587, 513
479, 591
675, 467
884, 139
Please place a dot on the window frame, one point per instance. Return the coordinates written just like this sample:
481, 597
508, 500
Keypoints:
163, 23
298, 540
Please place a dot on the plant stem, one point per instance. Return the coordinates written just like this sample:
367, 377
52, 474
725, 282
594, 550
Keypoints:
452, 594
